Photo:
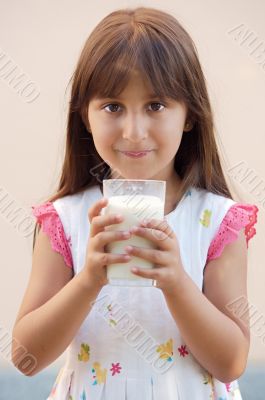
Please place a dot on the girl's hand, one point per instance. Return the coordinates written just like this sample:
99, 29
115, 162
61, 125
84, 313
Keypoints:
168, 266
96, 257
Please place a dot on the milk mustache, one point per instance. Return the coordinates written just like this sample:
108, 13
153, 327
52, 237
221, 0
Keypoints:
134, 209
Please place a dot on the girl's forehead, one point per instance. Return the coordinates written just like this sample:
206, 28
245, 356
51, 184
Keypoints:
141, 92
134, 78
141, 96
132, 87
117, 85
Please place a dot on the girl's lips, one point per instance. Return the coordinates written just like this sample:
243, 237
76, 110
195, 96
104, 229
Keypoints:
136, 154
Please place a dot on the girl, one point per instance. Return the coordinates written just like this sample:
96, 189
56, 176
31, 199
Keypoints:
139, 87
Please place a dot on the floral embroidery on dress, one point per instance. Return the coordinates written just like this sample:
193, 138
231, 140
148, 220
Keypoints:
231, 390
84, 352
183, 351
228, 386
206, 218
115, 369
166, 350
100, 374
112, 321
83, 395
208, 380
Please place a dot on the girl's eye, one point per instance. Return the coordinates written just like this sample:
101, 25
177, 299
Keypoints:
110, 105
159, 105
114, 105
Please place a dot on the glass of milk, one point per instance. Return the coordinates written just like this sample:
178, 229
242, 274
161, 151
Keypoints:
135, 199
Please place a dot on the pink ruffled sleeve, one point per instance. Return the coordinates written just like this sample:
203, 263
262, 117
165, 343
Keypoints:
237, 217
51, 224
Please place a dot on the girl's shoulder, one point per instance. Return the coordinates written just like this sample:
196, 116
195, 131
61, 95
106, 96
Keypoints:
226, 217
222, 207
60, 219
89, 194
204, 197
74, 207
68, 206
209, 207
222, 213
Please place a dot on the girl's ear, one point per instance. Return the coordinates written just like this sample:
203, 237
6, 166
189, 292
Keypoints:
188, 126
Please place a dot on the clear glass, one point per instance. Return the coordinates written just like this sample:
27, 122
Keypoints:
135, 199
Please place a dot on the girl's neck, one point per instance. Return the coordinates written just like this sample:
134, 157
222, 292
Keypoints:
173, 195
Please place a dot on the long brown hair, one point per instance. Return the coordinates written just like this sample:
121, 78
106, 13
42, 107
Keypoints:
155, 43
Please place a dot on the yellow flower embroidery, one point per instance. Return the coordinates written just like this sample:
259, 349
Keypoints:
206, 219
208, 379
166, 350
112, 321
84, 352
100, 374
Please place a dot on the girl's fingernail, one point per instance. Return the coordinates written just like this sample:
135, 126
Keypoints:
133, 269
128, 248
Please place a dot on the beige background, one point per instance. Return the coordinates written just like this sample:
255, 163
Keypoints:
44, 39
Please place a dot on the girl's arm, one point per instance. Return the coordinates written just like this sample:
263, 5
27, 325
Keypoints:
216, 337
54, 306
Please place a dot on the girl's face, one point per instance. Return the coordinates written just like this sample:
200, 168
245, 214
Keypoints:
137, 121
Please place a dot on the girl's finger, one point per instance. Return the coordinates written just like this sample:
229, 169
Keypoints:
158, 237
156, 256
160, 225
99, 220
103, 221
106, 237
105, 259
147, 273
96, 208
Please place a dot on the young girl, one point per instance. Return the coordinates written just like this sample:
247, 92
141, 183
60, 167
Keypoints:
139, 87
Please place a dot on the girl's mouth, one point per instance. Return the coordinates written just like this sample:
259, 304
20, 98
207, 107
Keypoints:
136, 154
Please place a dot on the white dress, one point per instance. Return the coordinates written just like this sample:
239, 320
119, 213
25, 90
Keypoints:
129, 346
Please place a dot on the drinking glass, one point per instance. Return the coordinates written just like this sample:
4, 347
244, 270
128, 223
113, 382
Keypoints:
135, 199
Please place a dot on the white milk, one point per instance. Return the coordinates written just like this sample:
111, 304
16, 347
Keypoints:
134, 209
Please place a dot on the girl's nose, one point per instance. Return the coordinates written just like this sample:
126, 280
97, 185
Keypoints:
134, 132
